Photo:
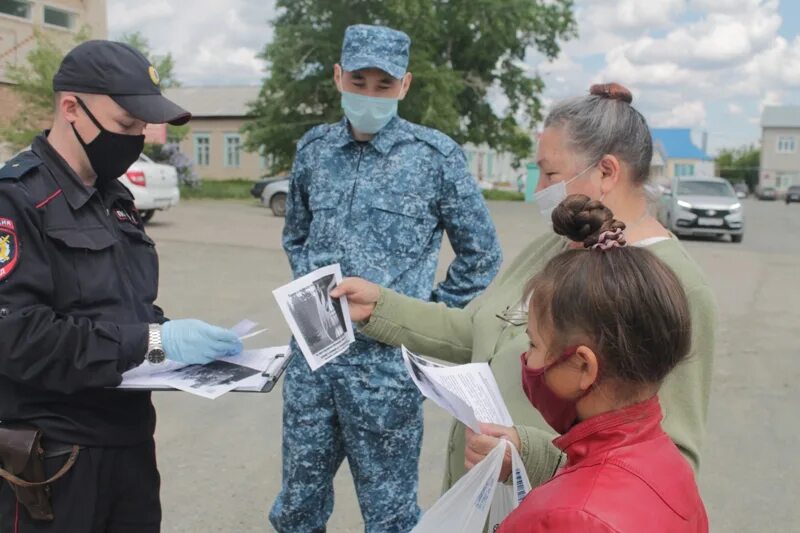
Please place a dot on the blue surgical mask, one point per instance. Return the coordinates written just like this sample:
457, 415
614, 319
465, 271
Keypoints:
368, 114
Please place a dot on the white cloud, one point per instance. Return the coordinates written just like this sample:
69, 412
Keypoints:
213, 44
130, 16
735, 109
605, 24
770, 98
685, 115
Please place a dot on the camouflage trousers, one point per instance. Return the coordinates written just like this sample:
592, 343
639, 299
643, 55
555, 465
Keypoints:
369, 414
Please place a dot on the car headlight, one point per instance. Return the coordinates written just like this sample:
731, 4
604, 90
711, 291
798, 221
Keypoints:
685, 205
735, 208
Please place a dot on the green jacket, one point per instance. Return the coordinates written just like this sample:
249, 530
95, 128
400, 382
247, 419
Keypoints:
475, 334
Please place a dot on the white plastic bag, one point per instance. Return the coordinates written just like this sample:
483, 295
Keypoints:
465, 507
508, 497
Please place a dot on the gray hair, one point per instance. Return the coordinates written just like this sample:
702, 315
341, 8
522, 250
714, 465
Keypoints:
596, 125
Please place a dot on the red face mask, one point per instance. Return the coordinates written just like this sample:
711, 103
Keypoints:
560, 413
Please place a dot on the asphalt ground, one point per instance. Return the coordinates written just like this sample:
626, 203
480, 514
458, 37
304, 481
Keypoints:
220, 460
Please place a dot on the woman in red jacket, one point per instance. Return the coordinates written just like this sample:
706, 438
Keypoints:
605, 329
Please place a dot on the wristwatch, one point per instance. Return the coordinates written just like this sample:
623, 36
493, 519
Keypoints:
155, 351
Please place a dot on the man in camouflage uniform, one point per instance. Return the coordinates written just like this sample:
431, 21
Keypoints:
373, 193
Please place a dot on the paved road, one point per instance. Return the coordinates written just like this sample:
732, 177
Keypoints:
220, 460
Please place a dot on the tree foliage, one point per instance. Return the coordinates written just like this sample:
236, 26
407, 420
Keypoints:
740, 165
467, 58
33, 83
164, 64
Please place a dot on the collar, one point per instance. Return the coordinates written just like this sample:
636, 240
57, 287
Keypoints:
607, 431
383, 141
75, 192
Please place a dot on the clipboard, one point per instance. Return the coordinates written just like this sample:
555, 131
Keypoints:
280, 361
274, 376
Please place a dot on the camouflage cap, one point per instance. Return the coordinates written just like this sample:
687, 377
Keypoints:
375, 47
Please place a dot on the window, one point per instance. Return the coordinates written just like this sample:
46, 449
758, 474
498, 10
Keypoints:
233, 143
58, 17
202, 149
786, 145
684, 169
16, 8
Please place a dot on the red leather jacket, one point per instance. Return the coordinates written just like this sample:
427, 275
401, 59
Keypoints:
623, 474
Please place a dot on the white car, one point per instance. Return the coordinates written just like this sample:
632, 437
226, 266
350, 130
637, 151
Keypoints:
154, 186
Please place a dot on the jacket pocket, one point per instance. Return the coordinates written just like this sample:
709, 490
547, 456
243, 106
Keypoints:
403, 225
324, 231
84, 272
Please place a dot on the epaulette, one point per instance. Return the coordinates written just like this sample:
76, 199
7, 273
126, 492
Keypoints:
438, 140
317, 132
19, 165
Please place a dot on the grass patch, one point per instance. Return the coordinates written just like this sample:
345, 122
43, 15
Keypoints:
508, 196
218, 190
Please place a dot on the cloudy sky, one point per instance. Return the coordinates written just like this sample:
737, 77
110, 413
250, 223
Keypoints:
710, 65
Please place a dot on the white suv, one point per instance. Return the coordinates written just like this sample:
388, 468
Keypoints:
154, 186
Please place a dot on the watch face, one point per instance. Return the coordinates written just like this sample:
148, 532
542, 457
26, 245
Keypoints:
156, 356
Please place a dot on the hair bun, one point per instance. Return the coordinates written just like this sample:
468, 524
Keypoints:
583, 220
612, 91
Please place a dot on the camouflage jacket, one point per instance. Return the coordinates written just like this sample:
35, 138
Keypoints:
380, 208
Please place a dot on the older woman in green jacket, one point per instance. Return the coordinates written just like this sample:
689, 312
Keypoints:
600, 146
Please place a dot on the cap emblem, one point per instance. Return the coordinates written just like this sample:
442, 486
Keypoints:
154, 75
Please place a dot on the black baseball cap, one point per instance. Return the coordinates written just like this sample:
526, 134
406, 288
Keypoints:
123, 73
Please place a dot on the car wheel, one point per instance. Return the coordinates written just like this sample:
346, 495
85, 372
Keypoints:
737, 238
278, 204
147, 215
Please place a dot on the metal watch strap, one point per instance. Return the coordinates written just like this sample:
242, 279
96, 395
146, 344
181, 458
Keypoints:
155, 351
154, 338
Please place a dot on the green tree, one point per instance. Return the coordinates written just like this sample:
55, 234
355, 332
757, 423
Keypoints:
32, 82
164, 64
464, 53
740, 165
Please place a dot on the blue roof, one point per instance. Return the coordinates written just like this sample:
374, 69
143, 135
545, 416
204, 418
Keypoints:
677, 143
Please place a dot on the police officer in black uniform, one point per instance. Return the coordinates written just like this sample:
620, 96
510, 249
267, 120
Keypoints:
78, 281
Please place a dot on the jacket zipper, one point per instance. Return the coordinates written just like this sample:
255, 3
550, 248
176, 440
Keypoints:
355, 181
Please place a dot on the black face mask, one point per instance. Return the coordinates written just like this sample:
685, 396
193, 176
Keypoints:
110, 154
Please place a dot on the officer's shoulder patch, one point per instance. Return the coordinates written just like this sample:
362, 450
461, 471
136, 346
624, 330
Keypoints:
315, 133
441, 142
19, 165
9, 247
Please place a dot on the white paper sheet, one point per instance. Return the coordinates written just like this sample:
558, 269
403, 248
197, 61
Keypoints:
244, 329
468, 392
320, 324
240, 372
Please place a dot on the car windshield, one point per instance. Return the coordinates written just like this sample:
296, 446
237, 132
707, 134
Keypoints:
794, 189
704, 188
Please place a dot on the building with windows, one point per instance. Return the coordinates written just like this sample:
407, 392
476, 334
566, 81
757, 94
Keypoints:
215, 142
493, 167
780, 150
59, 19
676, 155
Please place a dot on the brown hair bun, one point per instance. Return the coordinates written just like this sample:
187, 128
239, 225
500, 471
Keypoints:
612, 91
582, 219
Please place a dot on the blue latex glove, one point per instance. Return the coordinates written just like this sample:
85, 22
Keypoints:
195, 342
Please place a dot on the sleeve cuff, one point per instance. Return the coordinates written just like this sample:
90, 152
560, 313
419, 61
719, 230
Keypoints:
380, 326
540, 456
133, 345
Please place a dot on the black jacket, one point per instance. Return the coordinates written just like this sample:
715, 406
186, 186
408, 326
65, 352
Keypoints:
78, 278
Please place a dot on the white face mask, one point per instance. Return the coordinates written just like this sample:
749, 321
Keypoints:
549, 197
